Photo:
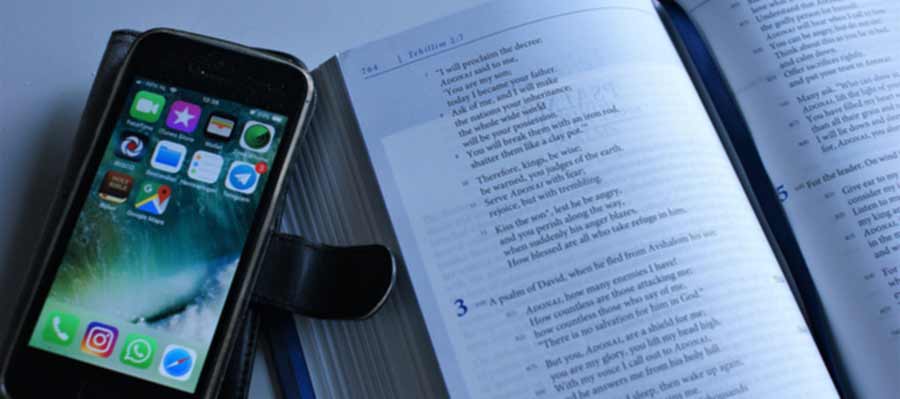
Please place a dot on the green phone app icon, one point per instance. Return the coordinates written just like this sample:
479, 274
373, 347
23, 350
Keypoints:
138, 351
147, 106
60, 328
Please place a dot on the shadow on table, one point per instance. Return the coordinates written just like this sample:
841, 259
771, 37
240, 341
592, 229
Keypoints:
42, 175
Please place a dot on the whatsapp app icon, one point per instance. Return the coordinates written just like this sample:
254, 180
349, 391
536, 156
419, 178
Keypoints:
138, 351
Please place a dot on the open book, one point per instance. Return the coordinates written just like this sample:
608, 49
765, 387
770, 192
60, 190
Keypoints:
573, 223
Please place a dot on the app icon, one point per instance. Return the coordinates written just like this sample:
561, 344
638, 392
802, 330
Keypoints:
177, 362
183, 116
168, 156
242, 177
115, 187
132, 146
60, 328
99, 340
147, 106
153, 198
219, 126
257, 136
205, 167
138, 351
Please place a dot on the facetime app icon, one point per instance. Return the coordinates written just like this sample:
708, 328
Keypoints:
147, 106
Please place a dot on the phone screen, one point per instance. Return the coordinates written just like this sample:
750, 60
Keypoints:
148, 266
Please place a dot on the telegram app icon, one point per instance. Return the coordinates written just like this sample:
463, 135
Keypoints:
242, 177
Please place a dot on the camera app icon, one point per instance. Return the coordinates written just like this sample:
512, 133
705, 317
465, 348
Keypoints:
99, 339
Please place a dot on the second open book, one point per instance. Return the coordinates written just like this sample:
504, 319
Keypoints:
571, 222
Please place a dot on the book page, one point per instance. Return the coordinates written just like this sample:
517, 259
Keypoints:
819, 86
332, 197
567, 214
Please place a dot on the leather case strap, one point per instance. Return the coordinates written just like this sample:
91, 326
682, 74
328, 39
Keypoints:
297, 276
323, 281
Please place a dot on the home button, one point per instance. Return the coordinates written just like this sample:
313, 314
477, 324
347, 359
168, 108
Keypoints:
93, 390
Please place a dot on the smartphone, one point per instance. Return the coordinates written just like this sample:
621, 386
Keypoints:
153, 262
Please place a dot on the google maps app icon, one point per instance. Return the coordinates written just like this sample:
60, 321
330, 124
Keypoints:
153, 198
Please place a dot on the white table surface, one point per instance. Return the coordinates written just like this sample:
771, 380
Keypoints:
49, 51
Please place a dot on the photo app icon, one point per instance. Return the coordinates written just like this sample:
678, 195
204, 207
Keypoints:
99, 340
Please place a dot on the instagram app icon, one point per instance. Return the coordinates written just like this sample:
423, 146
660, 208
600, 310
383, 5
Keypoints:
99, 340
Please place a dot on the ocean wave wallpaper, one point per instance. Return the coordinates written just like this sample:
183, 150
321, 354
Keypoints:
160, 234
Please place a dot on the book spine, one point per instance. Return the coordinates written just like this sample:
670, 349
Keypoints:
286, 355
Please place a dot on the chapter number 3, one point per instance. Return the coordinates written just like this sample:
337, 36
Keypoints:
461, 308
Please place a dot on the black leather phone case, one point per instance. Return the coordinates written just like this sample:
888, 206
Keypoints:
295, 276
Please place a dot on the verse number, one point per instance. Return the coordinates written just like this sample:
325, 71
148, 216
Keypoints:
456, 39
782, 193
461, 308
